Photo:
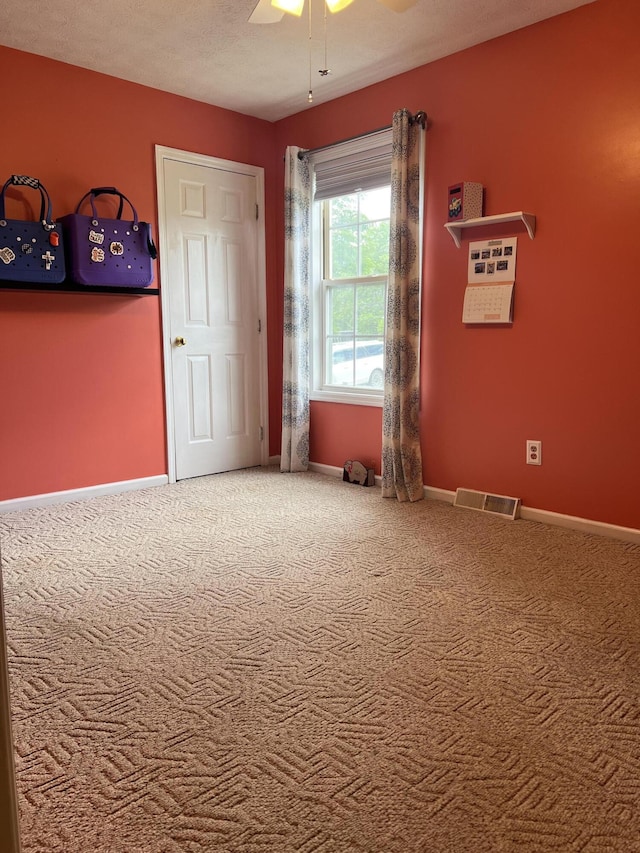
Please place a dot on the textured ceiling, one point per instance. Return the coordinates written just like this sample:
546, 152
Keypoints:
207, 50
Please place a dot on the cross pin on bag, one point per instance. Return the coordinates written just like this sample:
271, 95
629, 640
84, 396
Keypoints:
31, 251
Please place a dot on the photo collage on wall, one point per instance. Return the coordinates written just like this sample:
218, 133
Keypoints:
492, 260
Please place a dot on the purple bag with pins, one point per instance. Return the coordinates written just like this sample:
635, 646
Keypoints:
102, 251
31, 252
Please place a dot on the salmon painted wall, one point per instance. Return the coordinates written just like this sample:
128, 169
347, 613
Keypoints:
548, 120
81, 385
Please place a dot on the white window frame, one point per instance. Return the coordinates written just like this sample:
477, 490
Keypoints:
319, 390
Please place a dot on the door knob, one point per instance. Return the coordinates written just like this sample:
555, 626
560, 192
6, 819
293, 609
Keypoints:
180, 341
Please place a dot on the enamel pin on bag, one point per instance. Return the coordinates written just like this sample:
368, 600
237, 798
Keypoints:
103, 251
31, 252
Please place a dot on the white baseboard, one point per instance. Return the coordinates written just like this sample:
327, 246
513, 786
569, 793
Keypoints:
433, 494
329, 470
586, 525
19, 504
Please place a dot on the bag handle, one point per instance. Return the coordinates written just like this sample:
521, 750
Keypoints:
34, 183
96, 191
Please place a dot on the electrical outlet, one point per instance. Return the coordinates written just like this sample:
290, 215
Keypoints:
534, 453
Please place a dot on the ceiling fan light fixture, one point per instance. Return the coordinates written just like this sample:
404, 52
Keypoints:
293, 7
338, 5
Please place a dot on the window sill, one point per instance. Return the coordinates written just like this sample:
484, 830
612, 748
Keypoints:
352, 398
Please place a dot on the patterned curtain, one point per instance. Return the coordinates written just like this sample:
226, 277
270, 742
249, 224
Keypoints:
294, 454
401, 453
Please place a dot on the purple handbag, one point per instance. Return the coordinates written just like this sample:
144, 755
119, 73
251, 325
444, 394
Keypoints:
31, 252
103, 251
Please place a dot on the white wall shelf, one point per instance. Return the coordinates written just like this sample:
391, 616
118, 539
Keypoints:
455, 228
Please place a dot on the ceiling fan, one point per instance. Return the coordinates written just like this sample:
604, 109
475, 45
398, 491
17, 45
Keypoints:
272, 11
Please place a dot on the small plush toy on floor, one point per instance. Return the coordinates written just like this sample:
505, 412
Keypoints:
356, 472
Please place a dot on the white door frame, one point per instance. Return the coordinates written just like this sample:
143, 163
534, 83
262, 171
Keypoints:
8, 794
163, 153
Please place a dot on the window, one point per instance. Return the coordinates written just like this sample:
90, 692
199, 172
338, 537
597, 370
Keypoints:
355, 267
350, 262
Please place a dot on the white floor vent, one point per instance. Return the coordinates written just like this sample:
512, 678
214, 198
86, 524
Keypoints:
484, 502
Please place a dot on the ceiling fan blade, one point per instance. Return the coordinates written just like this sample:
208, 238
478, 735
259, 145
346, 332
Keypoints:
338, 5
292, 7
398, 5
265, 13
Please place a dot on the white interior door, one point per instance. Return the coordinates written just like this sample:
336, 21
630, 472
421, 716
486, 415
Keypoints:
210, 270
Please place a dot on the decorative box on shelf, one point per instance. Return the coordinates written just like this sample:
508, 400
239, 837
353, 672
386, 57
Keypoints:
465, 201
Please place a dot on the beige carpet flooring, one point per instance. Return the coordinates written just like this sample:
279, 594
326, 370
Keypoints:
268, 663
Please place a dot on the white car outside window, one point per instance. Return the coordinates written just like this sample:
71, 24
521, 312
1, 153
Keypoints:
365, 371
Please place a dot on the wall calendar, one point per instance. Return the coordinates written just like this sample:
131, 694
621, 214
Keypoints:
488, 297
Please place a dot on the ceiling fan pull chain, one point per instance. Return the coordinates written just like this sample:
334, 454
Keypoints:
324, 71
